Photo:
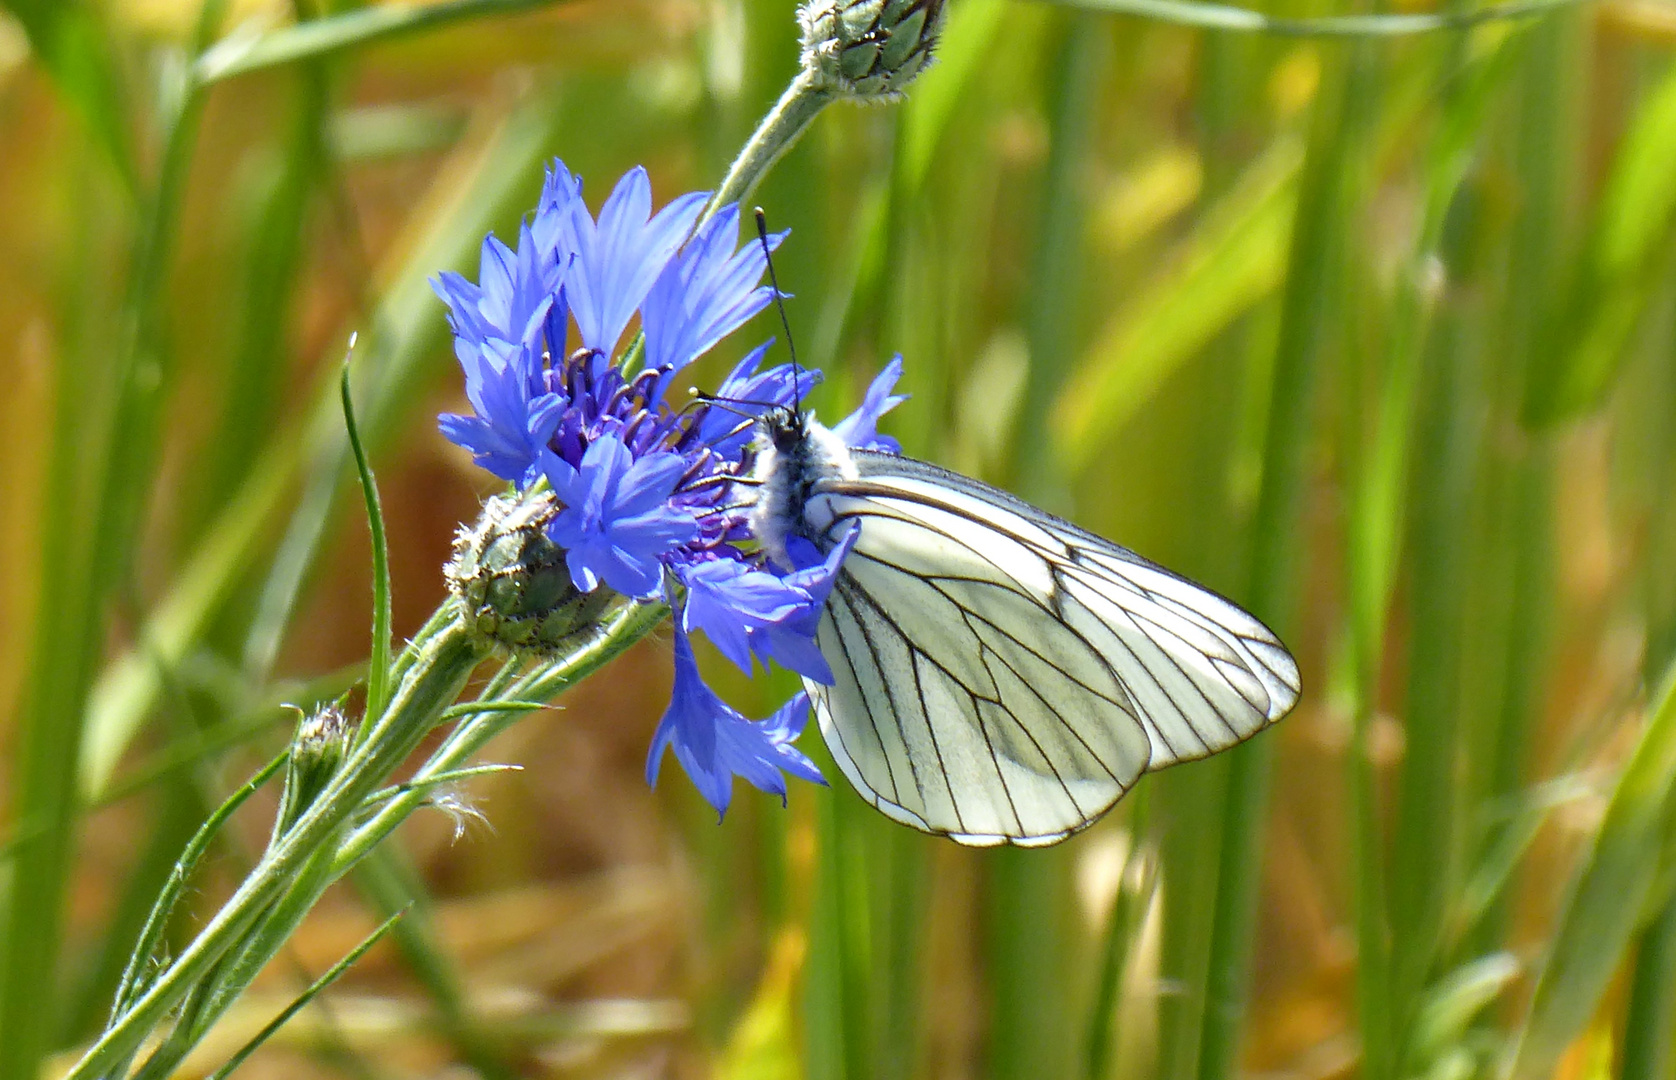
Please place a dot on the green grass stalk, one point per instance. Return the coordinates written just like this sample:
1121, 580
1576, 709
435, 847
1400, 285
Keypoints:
1325, 203
1031, 938
100, 475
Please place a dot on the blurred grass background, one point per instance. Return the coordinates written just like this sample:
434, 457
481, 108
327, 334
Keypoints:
1377, 337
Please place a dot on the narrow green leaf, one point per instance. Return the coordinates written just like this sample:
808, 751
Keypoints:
1487, 881
330, 976
1328, 199
390, 885
1609, 901
1650, 1023
431, 781
472, 708
1137, 888
965, 41
252, 397
1233, 259
1032, 939
70, 40
1450, 1005
378, 664
1227, 17
352, 29
130, 686
1633, 229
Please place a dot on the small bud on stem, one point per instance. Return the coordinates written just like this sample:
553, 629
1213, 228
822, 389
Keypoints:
317, 749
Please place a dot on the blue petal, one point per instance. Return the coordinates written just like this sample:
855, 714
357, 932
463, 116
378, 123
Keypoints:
714, 743
728, 599
778, 615
705, 293
617, 522
860, 428
617, 260
514, 420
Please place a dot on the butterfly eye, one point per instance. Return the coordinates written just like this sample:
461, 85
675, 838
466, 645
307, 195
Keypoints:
784, 428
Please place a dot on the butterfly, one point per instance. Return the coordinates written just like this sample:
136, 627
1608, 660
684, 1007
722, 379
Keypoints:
1001, 675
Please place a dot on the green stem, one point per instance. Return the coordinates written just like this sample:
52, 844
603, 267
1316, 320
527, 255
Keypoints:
1324, 202
625, 626
433, 682
800, 104
1649, 1046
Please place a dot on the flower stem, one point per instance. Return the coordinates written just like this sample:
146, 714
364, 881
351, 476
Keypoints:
324, 844
618, 630
441, 663
802, 101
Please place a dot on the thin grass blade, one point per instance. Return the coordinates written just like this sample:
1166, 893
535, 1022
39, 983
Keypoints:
1235, 257
70, 38
1608, 904
1628, 248
391, 886
378, 663
1327, 199
1226, 17
240, 54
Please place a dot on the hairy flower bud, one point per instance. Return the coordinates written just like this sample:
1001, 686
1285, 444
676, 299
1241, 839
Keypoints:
869, 48
319, 746
511, 580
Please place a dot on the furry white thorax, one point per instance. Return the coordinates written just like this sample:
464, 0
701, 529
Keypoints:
793, 455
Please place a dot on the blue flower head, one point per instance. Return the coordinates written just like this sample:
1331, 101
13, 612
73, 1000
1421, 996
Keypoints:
650, 504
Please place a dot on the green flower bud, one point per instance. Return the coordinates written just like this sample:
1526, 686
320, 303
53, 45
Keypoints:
869, 48
319, 746
511, 582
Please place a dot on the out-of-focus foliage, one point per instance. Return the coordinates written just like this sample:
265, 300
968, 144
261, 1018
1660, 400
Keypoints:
1376, 336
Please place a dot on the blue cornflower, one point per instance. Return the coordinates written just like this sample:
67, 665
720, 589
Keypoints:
617, 260
705, 293
650, 500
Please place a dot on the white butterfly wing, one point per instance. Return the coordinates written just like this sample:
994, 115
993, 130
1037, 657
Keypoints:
1004, 676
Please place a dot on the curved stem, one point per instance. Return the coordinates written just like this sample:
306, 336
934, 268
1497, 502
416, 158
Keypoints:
802, 101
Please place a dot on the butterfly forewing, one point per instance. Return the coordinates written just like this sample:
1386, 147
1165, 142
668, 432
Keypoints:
1004, 676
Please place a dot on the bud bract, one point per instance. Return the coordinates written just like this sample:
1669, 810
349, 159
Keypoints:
511, 580
869, 48
319, 746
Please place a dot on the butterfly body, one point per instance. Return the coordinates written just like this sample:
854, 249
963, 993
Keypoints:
1001, 675
795, 453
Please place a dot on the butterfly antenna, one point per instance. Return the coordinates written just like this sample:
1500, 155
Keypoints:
774, 282
701, 397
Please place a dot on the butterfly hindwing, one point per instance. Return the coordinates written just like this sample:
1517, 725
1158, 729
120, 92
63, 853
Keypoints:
1004, 676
